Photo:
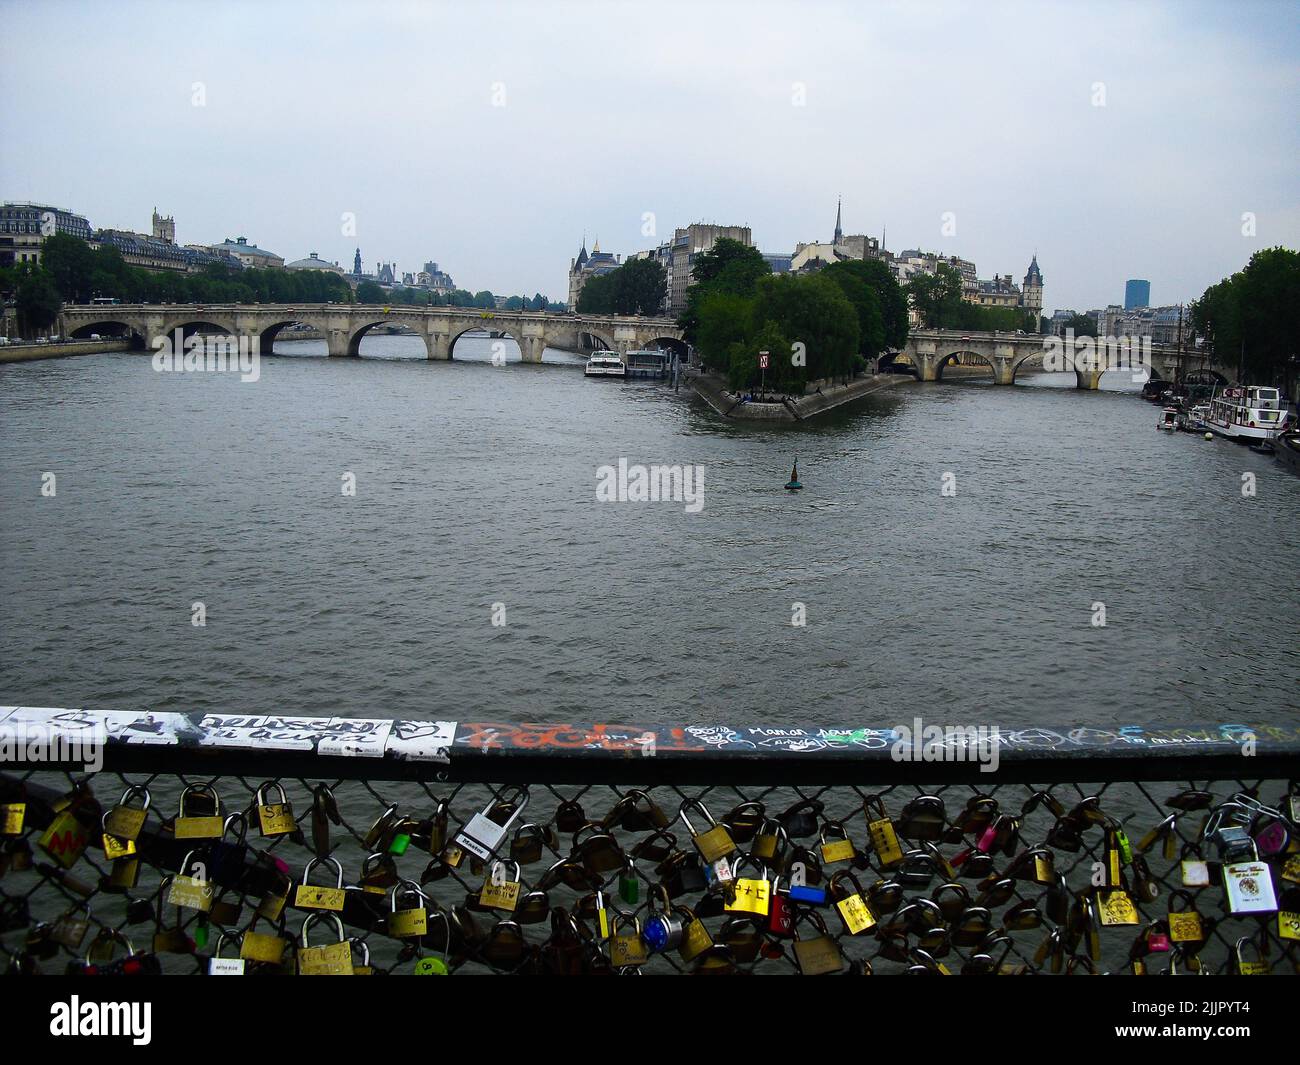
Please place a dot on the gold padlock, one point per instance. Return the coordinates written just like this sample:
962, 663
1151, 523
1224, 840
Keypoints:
500, 892
125, 821
313, 897
205, 826
274, 818
715, 843
408, 923
333, 959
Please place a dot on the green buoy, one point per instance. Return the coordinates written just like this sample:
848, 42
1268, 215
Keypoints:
793, 484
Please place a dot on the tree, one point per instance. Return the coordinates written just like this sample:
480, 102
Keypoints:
598, 295
730, 267
640, 287
370, 292
937, 296
37, 300
781, 375
854, 279
1084, 325
725, 319
70, 264
485, 299
812, 311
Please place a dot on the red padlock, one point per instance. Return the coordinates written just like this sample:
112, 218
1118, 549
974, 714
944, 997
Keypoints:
780, 917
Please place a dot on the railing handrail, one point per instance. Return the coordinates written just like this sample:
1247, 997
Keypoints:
200, 743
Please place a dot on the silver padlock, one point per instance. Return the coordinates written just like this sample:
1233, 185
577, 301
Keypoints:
482, 835
219, 966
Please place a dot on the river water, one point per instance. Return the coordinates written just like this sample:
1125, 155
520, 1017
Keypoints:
476, 496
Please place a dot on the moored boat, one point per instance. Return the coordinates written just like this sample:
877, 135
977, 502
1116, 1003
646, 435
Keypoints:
1247, 413
605, 364
1168, 419
1287, 449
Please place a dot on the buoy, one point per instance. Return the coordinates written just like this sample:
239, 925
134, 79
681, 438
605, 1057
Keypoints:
793, 485
1209, 436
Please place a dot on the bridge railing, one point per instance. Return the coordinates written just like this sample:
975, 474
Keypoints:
497, 847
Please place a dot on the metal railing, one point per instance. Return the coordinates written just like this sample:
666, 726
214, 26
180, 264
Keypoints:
444, 847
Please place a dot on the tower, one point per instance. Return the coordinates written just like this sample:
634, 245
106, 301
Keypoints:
164, 228
839, 232
1031, 293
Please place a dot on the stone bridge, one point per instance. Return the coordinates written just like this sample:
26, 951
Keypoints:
344, 325
930, 350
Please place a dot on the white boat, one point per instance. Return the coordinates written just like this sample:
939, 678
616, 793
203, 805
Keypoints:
1168, 419
605, 364
1247, 412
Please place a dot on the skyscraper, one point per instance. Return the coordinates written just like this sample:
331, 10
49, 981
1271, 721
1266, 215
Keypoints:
1137, 294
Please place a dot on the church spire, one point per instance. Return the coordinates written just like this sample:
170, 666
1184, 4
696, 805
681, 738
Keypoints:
839, 232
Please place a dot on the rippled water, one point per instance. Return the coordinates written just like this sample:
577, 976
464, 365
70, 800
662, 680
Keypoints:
476, 486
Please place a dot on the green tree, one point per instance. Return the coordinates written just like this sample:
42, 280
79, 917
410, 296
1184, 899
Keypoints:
485, 299
855, 281
370, 292
725, 319
599, 295
812, 311
640, 287
937, 297
37, 300
780, 376
70, 264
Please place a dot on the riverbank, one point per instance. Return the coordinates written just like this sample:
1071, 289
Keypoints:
31, 352
711, 389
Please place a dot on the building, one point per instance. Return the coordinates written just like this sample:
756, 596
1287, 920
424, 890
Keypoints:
1164, 325
24, 227
247, 254
164, 229
433, 278
778, 262
585, 267
1136, 294
813, 256
314, 262
148, 252
695, 240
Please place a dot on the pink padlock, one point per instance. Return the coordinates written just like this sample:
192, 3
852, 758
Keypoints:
1272, 838
1158, 941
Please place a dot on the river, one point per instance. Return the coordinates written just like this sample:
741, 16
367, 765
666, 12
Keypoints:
476, 500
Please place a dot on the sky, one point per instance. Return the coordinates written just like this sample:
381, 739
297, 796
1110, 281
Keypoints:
1114, 140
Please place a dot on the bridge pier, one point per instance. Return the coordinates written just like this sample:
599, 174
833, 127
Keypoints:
531, 348
439, 345
337, 342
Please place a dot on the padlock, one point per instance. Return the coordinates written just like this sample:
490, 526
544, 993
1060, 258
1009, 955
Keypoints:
819, 954
835, 844
770, 842
219, 966
309, 896
1184, 924
780, 914
437, 964
505, 946
850, 902
917, 869
99, 958
629, 884
333, 959
274, 818
482, 836
713, 843
114, 847
408, 922
71, 927
1288, 915
803, 818
65, 839
599, 852
636, 812
169, 940
881, 830
1249, 885
206, 826
271, 904
125, 821
923, 817
1258, 967
13, 810
569, 816
626, 948
743, 822
227, 858
1115, 907
324, 810
750, 894
528, 844
378, 873
365, 968
800, 889
124, 875
501, 891
267, 948
191, 892
664, 927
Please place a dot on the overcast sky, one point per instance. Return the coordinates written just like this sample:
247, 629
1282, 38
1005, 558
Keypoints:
738, 113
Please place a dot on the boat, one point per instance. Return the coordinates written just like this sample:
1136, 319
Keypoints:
646, 363
1168, 419
1247, 413
1192, 420
605, 364
1287, 448
794, 484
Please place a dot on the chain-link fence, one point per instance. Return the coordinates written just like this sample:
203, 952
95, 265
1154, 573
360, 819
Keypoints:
353, 873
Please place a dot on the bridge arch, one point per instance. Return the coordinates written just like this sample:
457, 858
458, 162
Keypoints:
674, 344
486, 326
947, 359
190, 326
359, 332
268, 334
118, 328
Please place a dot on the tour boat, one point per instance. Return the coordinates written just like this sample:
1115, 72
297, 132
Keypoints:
1168, 419
1247, 413
646, 363
605, 364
